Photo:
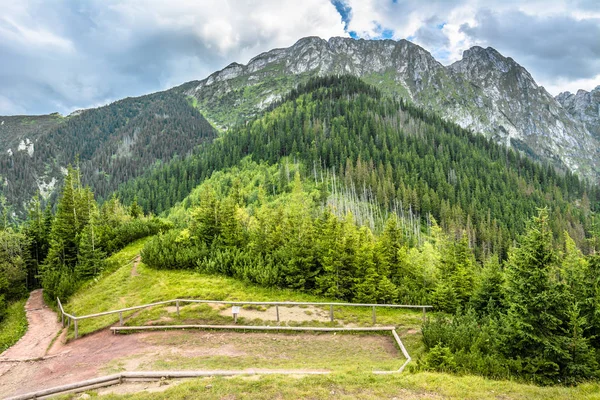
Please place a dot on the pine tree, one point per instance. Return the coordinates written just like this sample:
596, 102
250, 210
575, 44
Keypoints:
536, 304
488, 295
36, 231
90, 257
135, 210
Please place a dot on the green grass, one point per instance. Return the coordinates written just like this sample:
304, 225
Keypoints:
365, 386
217, 350
14, 325
120, 289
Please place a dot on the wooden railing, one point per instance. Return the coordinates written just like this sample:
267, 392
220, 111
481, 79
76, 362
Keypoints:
67, 318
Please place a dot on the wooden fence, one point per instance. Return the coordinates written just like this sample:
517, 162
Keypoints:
66, 318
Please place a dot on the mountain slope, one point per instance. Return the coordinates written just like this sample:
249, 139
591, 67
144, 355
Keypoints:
485, 92
584, 106
112, 144
392, 153
17, 132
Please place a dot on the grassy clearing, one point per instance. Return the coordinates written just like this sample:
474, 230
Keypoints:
14, 325
121, 288
365, 386
193, 350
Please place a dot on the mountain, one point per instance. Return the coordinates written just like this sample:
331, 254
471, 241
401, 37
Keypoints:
17, 132
583, 106
485, 92
111, 144
387, 152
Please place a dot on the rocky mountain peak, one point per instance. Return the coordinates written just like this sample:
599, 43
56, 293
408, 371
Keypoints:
584, 106
484, 91
480, 64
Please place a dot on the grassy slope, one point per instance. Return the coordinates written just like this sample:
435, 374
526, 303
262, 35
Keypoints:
366, 386
120, 289
14, 325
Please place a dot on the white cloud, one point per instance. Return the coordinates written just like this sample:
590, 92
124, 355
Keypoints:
7, 107
62, 55
67, 54
564, 85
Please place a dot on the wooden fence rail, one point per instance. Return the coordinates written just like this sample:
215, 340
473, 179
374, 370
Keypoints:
67, 318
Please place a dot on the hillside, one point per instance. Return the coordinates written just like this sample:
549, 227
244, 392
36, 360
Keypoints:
400, 157
111, 145
18, 131
484, 92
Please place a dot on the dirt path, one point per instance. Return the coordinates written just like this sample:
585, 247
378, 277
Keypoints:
103, 353
43, 326
137, 260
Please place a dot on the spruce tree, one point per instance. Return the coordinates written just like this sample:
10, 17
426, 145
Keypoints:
536, 304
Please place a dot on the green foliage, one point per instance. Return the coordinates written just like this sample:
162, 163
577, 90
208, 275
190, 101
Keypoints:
113, 143
37, 229
440, 358
402, 158
172, 250
534, 320
81, 235
13, 269
14, 324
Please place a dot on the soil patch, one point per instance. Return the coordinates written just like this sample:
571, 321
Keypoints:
293, 313
43, 326
103, 353
137, 260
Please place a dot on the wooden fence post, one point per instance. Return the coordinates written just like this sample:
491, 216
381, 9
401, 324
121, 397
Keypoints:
121, 318
76, 330
374, 318
277, 311
331, 312
177, 306
423, 314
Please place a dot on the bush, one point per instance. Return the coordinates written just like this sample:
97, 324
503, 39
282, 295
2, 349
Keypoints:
60, 283
474, 346
173, 250
133, 230
440, 358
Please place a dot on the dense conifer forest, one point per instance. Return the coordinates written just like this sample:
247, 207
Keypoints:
110, 145
341, 191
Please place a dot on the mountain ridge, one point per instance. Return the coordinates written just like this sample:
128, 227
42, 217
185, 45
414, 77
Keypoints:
537, 124
484, 92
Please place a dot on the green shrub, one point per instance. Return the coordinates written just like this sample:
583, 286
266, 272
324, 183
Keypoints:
14, 324
173, 250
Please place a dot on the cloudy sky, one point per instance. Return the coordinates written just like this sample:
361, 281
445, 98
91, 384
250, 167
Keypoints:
62, 55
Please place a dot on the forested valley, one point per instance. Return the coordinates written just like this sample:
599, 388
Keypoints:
341, 191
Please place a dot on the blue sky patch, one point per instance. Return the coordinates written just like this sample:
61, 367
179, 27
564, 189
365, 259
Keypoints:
345, 12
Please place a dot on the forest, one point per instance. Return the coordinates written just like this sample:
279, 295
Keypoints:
340, 191
110, 145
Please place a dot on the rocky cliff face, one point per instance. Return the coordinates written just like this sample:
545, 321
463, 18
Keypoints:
484, 91
525, 114
585, 107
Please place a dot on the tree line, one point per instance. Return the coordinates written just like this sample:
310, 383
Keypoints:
400, 154
60, 250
